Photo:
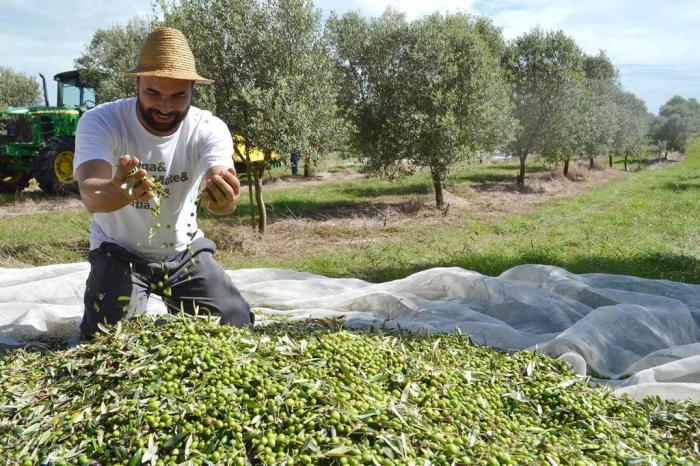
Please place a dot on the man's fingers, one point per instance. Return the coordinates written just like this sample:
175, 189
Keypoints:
144, 189
125, 165
219, 190
231, 179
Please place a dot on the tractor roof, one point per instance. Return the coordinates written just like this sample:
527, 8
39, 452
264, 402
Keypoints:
68, 76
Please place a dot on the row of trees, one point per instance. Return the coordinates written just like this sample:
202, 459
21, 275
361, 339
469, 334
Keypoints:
433, 91
444, 88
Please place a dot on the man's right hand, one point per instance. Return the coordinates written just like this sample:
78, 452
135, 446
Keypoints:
103, 189
134, 185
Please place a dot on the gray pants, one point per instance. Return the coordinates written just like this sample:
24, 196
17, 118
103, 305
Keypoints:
120, 283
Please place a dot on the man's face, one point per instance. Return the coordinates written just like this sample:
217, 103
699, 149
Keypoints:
163, 103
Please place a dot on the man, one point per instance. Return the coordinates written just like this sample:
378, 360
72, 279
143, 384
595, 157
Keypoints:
144, 238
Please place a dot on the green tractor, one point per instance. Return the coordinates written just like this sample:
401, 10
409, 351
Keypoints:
39, 141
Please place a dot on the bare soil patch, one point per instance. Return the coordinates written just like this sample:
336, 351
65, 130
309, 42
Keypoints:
33, 202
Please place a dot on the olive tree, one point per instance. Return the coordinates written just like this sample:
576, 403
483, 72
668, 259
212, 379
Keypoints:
430, 91
18, 89
273, 77
544, 69
678, 120
587, 112
111, 51
565, 139
601, 84
631, 127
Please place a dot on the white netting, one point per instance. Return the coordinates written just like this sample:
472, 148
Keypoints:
642, 334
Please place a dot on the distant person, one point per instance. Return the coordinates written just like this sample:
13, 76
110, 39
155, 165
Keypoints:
294, 162
122, 148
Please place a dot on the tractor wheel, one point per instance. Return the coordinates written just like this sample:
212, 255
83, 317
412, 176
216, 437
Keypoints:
13, 182
53, 167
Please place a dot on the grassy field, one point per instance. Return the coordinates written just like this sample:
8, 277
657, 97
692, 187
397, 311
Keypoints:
642, 224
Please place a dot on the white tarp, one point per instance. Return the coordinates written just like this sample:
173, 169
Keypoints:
643, 335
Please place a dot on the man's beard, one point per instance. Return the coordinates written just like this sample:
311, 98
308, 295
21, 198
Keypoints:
149, 117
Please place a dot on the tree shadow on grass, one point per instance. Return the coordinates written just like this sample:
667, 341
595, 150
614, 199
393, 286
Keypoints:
679, 187
660, 265
284, 209
403, 189
319, 210
496, 173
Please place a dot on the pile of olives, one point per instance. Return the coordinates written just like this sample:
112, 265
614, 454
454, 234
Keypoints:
189, 391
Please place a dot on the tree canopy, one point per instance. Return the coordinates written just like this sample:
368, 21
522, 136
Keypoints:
429, 91
273, 76
111, 51
18, 89
678, 120
544, 69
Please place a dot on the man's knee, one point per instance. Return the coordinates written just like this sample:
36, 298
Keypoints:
212, 288
110, 291
236, 311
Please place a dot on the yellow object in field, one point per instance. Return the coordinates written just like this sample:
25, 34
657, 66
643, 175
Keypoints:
256, 155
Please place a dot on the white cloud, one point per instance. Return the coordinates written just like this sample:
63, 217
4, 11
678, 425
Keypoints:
415, 8
630, 31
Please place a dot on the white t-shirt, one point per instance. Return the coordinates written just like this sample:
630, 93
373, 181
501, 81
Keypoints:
179, 161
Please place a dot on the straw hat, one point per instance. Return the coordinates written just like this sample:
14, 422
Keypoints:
167, 54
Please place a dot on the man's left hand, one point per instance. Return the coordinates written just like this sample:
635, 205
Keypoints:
222, 190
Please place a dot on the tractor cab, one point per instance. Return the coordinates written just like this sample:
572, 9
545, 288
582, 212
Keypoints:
39, 141
72, 92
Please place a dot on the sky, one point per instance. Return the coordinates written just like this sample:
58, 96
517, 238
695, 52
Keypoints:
651, 42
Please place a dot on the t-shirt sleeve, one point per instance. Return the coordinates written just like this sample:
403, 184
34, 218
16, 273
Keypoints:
215, 144
93, 140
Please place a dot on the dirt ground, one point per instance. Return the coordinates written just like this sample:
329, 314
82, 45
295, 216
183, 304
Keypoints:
34, 201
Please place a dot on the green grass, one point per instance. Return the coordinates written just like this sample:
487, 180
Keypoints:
45, 238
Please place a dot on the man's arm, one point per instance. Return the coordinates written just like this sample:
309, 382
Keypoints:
100, 192
222, 190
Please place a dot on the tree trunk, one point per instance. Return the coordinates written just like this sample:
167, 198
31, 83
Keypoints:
258, 173
307, 167
566, 168
610, 160
625, 162
437, 184
521, 175
666, 155
249, 171
590, 166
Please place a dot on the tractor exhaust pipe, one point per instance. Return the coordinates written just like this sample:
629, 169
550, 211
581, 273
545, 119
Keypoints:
46, 94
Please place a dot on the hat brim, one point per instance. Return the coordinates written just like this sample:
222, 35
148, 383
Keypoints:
173, 74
